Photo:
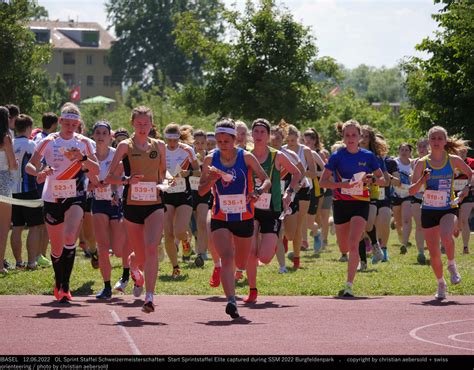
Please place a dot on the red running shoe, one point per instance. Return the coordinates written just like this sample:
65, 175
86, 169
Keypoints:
63, 296
252, 297
215, 280
56, 293
296, 263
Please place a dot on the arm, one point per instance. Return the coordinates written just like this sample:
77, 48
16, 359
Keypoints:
113, 176
33, 168
375, 178
465, 169
283, 161
252, 162
208, 178
319, 162
326, 181
308, 155
419, 178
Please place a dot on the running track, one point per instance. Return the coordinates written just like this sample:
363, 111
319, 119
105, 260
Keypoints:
189, 325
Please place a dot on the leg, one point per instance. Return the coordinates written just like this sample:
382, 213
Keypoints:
169, 235
356, 229
102, 234
153, 230
406, 220
464, 213
6, 212
34, 234
222, 239
397, 217
88, 227
201, 216
16, 243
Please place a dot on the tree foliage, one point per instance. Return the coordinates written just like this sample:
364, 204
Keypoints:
21, 75
441, 88
145, 50
263, 68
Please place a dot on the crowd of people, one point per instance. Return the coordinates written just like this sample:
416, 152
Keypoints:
242, 193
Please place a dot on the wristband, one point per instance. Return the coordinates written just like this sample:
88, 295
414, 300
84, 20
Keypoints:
83, 159
125, 180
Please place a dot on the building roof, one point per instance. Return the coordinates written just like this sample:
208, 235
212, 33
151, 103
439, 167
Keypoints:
64, 35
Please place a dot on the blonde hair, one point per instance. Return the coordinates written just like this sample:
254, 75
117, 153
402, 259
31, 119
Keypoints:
187, 134
453, 144
70, 108
353, 123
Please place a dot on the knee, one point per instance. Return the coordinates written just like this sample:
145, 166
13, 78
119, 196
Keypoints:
181, 234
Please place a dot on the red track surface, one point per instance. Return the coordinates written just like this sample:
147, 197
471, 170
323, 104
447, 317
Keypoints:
188, 325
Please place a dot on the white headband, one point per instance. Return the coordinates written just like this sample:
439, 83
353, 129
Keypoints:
71, 116
226, 130
211, 138
172, 136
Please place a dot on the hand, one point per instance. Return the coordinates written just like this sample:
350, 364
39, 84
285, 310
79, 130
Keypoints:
185, 173
369, 179
426, 174
115, 199
287, 199
73, 154
41, 177
135, 179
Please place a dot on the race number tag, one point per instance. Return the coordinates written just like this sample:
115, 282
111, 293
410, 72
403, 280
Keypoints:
381, 194
263, 201
179, 186
194, 182
435, 198
234, 203
64, 188
144, 191
103, 193
460, 184
403, 191
356, 190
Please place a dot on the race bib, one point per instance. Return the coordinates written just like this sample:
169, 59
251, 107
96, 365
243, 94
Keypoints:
194, 182
234, 203
64, 188
460, 184
179, 186
381, 194
144, 191
403, 191
103, 193
435, 198
263, 201
357, 190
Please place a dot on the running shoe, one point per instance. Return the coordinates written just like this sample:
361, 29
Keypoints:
465, 250
343, 258
105, 293
239, 274
148, 307
95, 260
31, 266
231, 310
199, 261
296, 263
20, 265
421, 259
120, 285
378, 254
385, 255
282, 270
42, 261
3, 271
362, 266
403, 249
7, 265
443, 250
324, 244
252, 297
137, 277
137, 290
409, 244
346, 292
455, 277
441, 292
176, 272
215, 280
56, 293
186, 250
317, 242
63, 296
290, 256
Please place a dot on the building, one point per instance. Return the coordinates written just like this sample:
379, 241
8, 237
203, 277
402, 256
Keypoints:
80, 52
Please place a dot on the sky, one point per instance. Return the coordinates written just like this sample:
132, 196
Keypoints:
373, 32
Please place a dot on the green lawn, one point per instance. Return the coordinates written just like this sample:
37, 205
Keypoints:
325, 276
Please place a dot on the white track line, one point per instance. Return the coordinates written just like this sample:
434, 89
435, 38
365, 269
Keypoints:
415, 336
454, 337
127, 336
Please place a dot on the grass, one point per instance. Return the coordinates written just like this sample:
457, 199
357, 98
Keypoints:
323, 276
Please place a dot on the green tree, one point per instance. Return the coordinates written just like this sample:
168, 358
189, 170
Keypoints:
263, 68
145, 50
37, 11
441, 87
21, 59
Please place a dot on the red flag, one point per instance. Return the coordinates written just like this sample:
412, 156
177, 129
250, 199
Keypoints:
335, 91
76, 94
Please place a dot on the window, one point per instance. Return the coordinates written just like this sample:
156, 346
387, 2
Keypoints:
90, 80
69, 79
69, 58
89, 59
42, 36
106, 80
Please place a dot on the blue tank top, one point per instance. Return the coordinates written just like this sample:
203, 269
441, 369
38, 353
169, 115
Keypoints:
439, 186
240, 185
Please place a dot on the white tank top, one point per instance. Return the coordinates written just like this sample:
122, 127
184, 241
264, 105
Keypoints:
104, 168
306, 183
183, 155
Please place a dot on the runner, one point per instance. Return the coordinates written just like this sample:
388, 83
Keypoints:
68, 157
144, 165
467, 203
232, 224
439, 207
270, 205
349, 171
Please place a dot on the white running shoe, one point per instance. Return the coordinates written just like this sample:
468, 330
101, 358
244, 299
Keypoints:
441, 292
120, 285
455, 277
137, 291
282, 270
362, 266
378, 254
